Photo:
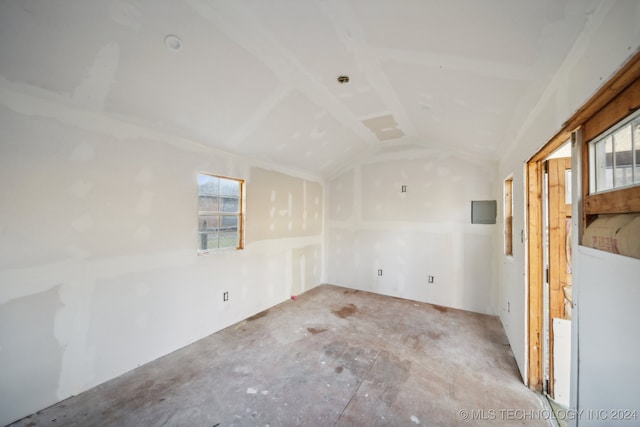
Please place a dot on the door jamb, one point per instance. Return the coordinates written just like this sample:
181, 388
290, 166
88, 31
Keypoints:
535, 258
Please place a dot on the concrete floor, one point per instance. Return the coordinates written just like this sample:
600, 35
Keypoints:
333, 357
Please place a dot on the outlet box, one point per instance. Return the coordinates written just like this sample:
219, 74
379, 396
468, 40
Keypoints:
430, 279
225, 296
379, 272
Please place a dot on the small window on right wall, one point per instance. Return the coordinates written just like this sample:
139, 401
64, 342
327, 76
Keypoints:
615, 157
612, 190
508, 216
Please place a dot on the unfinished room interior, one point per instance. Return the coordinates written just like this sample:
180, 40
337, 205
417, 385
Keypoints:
319, 212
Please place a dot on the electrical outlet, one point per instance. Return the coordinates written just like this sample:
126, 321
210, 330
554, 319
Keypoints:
404, 189
430, 279
225, 296
379, 272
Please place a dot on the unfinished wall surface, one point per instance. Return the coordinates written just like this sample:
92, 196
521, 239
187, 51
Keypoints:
606, 346
99, 271
610, 38
425, 231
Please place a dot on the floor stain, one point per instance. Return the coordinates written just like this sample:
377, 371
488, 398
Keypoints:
335, 349
434, 335
440, 308
315, 331
257, 316
339, 369
391, 373
412, 341
345, 311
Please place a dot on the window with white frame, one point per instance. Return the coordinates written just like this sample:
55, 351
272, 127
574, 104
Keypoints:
615, 157
220, 212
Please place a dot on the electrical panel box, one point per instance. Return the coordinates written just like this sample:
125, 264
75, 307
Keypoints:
483, 211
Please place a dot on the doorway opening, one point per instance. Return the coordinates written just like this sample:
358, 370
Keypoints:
549, 222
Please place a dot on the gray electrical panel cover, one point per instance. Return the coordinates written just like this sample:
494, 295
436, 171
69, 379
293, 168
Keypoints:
483, 211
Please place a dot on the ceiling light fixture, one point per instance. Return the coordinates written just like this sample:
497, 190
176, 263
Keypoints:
343, 79
173, 43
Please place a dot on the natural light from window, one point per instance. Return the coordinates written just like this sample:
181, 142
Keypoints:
220, 211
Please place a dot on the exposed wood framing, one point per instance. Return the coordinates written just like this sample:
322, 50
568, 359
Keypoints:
535, 268
559, 211
627, 75
626, 78
617, 201
620, 107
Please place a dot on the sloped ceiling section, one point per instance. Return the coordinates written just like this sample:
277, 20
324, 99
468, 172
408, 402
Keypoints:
258, 77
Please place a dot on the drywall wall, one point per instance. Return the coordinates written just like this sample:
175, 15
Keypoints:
99, 271
612, 35
608, 322
426, 231
282, 207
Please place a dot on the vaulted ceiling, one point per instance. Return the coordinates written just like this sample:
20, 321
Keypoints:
259, 77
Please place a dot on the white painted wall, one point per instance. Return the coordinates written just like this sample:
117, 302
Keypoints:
426, 231
99, 271
611, 37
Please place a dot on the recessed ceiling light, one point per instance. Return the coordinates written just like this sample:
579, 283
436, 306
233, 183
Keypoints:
343, 79
173, 43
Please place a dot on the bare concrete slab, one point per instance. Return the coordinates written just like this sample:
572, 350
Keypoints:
333, 357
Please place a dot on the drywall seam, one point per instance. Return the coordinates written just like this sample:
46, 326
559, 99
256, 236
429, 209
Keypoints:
457, 256
72, 324
268, 246
23, 282
280, 93
575, 53
496, 69
435, 227
357, 197
418, 151
352, 34
305, 213
282, 62
35, 102
38, 106
325, 238
94, 89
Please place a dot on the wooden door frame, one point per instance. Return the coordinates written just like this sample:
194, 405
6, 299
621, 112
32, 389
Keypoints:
535, 256
604, 97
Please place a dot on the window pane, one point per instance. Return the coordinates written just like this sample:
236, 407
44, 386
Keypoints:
208, 241
229, 187
624, 164
209, 223
229, 232
208, 203
208, 184
229, 221
229, 239
230, 204
219, 206
604, 164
